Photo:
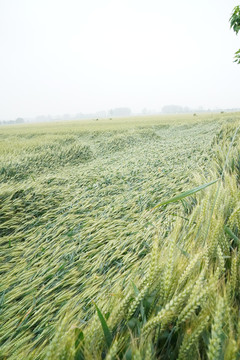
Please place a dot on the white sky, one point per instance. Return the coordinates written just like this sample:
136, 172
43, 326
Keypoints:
70, 56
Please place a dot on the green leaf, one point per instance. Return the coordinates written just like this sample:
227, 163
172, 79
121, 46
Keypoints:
182, 217
107, 315
142, 312
132, 323
136, 291
128, 354
79, 337
185, 253
232, 235
186, 193
235, 19
106, 331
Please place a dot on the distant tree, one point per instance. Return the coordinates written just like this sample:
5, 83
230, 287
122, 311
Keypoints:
172, 109
19, 120
235, 25
66, 117
123, 111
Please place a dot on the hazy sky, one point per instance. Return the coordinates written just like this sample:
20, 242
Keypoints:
70, 56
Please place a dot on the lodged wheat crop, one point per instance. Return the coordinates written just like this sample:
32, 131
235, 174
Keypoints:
120, 240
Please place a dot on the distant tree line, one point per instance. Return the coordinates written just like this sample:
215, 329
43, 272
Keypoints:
121, 111
175, 109
19, 120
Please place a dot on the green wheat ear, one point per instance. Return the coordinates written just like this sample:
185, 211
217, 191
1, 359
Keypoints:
191, 339
112, 352
216, 340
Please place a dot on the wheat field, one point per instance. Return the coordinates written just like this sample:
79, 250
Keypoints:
120, 239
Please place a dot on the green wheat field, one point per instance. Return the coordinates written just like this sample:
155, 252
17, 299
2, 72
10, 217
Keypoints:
120, 239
